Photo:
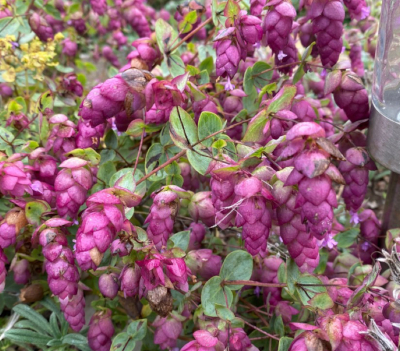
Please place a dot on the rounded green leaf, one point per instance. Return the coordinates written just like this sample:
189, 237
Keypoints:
238, 265
215, 294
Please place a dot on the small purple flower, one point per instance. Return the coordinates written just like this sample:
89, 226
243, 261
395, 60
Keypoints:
281, 55
229, 85
354, 218
328, 241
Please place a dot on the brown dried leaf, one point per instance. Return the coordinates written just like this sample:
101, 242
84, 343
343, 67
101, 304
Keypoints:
330, 148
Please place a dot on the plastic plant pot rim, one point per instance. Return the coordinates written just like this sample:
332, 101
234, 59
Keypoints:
384, 140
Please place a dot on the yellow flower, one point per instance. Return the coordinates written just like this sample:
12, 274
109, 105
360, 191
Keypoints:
58, 37
9, 75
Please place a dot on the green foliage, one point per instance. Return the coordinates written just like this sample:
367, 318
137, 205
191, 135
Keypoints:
126, 341
34, 329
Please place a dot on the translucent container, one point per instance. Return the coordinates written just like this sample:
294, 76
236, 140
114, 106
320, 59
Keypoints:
386, 85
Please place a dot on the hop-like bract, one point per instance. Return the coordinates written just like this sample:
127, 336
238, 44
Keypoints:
204, 340
100, 331
10, 226
88, 136
62, 136
302, 246
204, 263
358, 9
287, 56
137, 20
21, 270
355, 172
355, 57
229, 53
70, 48
197, 234
99, 6
62, 274
100, 225
109, 285
161, 217
201, 208
278, 25
327, 19
253, 214
72, 185
268, 273
40, 26
3, 271
352, 97
15, 181
130, 278
74, 310
249, 28
167, 332
222, 186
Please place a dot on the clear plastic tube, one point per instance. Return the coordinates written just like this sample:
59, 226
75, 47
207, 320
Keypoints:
386, 86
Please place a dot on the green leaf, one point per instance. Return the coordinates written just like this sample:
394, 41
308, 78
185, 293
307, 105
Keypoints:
33, 316
183, 129
308, 286
293, 274
122, 342
175, 65
254, 132
173, 169
213, 293
86, 154
368, 281
323, 260
21, 6
268, 89
140, 189
81, 78
284, 343
9, 26
193, 71
27, 336
34, 211
111, 140
155, 156
209, 123
260, 80
46, 101
112, 71
137, 329
74, 339
248, 83
74, 8
283, 100
180, 240
26, 324
207, 64
214, 8
106, 171
64, 69
199, 159
165, 34
54, 325
5, 138
238, 265
14, 107
322, 301
231, 9
224, 313
347, 238
204, 77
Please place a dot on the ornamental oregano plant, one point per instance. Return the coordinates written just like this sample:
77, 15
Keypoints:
191, 176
